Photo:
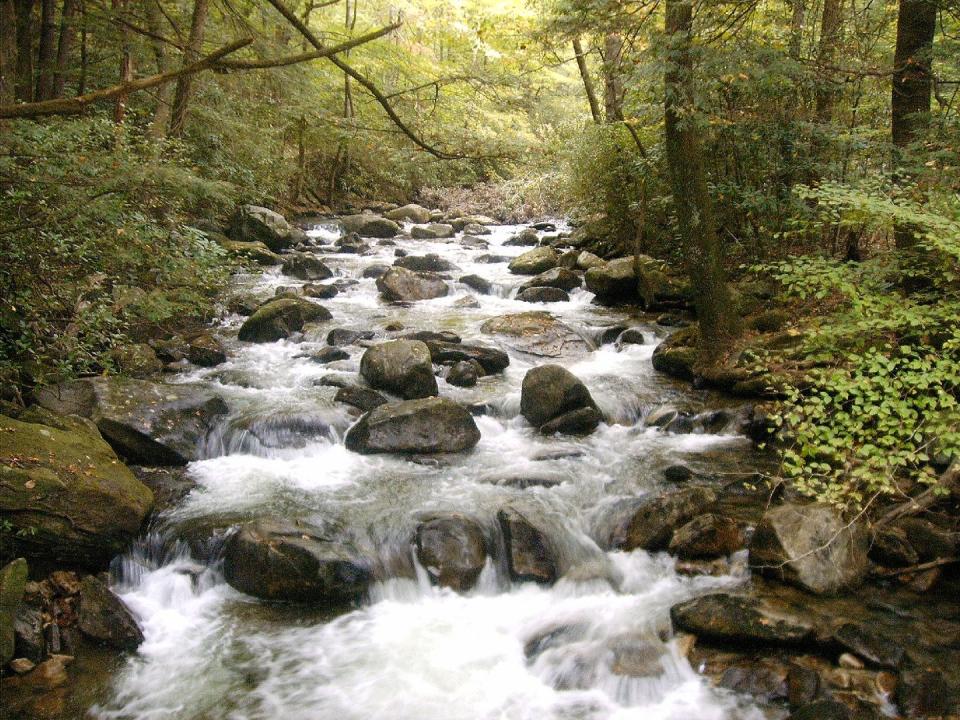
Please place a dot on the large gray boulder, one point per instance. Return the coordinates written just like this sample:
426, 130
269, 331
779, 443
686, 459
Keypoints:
145, 422
401, 367
295, 561
490, 359
305, 267
810, 546
401, 285
425, 263
560, 278
737, 620
461, 222
550, 392
429, 425
453, 550
367, 225
252, 223
67, 497
534, 262
411, 213
537, 333
650, 522
433, 231
104, 618
279, 318
613, 282
530, 554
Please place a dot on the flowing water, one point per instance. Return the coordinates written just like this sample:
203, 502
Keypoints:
503, 650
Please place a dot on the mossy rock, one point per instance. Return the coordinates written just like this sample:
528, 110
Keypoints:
769, 321
278, 319
677, 355
255, 251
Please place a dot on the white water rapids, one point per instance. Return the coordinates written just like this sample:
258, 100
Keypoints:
516, 651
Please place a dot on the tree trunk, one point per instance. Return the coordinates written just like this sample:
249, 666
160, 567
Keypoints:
161, 115
612, 81
84, 55
8, 51
587, 81
830, 25
47, 52
911, 87
798, 16
24, 82
181, 99
68, 32
691, 199
126, 67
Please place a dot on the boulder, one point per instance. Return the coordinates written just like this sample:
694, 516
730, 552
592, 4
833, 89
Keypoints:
873, 647
527, 237
295, 561
136, 360
145, 422
490, 359
429, 425
65, 489
305, 267
613, 282
13, 581
742, 621
587, 260
401, 367
402, 285
549, 392
473, 230
254, 251
323, 291
372, 272
534, 262
542, 295
677, 355
348, 336
537, 333
705, 537
409, 213
810, 546
368, 225
453, 550
475, 282
465, 373
472, 241
206, 351
459, 223
651, 521
926, 693
360, 397
279, 318
433, 231
103, 617
425, 263
560, 278
351, 244
530, 555
329, 354
252, 223
581, 421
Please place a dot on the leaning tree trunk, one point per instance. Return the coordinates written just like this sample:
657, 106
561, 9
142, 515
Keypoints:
181, 99
691, 199
912, 85
68, 32
47, 52
126, 66
8, 51
161, 115
612, 80
587, 80
23, 87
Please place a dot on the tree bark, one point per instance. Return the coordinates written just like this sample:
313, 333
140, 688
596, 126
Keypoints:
8, 51
830, 26
47, 51
161, 114
798, 13
691, 198
612, 80
181, 100
24, 82
587, 81
68, 33
126, 67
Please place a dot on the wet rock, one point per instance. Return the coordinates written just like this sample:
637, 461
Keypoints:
305, 267
677, 473
555, 400
329, 354
433, 231
822, 710
810, 546
803, 685
410, 213
873, 647
351, 244
926, 694
706, 536
13, 582
637, 657
607, 335
677, 355
169, 485
374, 271
147, 423
568, 260
890, 547
28, 633
543, 295
136, 360
360, 397
559, 278
465, 373
429, 425
348, 336
320, 292
765, 680
103, 617
368, 225
256, 252
481, 285
587, 260
475, 229
453, 550
243, 305
661, 417
928, 540
434, 336
402, 367
460, 223
537, 333
206, 351
295, 561
171, 350
402, 285
613, 282
527, 237
552, 637
650, 521
534, 262
530, 555
493, 259
426, 263
278, 319
68, 493
252, 223
490, 359
472, 241
741, 621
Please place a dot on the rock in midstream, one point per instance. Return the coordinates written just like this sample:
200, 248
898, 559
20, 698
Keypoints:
555, 400
490, 359
252, 223
534, 262
402, 367
429, 425
401, 285
367, 225
537, 333
453, 550
279, 318
649, 522
559, 278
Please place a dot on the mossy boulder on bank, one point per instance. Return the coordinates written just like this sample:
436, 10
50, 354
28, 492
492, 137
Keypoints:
252, 223
65, 493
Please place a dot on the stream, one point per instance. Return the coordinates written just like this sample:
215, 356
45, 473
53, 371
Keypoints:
412, 650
